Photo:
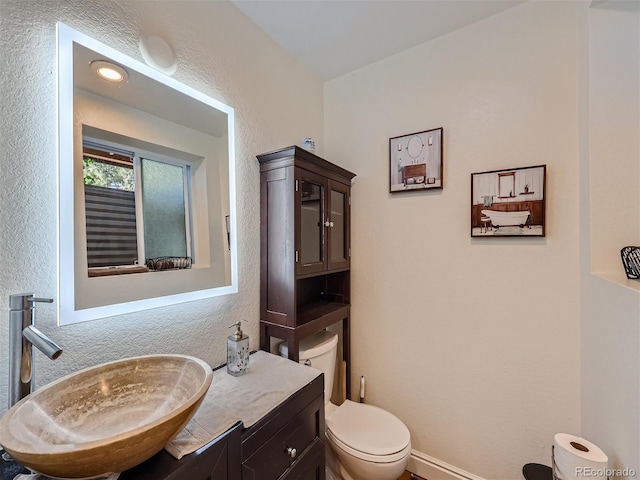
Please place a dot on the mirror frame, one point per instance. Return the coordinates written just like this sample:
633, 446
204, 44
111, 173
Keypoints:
67, 312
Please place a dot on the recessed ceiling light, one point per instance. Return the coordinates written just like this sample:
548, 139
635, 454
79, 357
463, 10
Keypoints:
109, 71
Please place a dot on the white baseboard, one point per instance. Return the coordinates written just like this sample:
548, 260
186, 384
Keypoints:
431, 468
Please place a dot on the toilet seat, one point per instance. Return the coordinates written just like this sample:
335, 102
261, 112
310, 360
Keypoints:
369, 433
395, 457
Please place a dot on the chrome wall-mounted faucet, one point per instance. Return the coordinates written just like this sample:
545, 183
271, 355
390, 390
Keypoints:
22, 335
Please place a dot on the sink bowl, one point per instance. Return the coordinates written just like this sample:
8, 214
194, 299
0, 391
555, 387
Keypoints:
107, 418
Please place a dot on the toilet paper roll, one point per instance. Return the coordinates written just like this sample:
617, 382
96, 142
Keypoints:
578, 458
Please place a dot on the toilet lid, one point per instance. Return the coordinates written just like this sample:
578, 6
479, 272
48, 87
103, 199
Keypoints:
368, 429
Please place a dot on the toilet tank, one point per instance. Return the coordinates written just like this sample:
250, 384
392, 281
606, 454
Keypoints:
319, 352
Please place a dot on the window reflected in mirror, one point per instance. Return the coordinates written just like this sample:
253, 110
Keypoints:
165, 208
148, 225
110, 208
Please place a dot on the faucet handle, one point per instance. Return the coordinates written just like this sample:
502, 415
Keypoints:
40, 300
24, 301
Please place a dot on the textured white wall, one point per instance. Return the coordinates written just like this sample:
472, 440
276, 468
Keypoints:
610, 219
473, 343
221, 53
614, 99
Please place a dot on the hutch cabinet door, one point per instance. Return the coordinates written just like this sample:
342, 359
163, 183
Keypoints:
338, 225
310, 232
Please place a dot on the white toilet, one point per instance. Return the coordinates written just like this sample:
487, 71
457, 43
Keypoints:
366, 442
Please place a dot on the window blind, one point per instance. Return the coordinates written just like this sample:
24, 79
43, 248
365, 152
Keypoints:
111, 226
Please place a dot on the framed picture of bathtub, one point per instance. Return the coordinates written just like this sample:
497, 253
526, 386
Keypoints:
415, 161
509, 203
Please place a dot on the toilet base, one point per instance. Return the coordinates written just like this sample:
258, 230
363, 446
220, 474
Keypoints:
366, 470
330, 474
334, 469
344, 474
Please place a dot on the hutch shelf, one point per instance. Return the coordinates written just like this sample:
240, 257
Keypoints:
305, 248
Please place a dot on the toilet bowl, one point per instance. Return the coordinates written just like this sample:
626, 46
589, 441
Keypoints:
364, 442
369, 442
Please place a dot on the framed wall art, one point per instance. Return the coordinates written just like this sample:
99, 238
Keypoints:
509, 202
415, 161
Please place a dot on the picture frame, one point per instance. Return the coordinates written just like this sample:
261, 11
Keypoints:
509, 202
416, 161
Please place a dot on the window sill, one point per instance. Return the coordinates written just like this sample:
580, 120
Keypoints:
120, 270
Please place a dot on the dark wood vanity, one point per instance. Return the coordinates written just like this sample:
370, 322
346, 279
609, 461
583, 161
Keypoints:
305, 205
219, 459
286, 444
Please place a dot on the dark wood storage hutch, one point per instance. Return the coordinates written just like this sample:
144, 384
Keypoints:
305, 204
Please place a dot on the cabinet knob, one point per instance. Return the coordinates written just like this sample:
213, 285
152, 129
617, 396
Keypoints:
327, 223
331, 224
292, 452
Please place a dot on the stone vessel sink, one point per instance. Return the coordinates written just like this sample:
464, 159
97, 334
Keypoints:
107, 418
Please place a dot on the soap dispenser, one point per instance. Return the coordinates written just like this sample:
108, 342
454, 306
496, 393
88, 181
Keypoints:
237, 352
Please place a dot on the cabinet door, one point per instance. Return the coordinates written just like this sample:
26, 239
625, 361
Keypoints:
310, 230
218, 460
338, 225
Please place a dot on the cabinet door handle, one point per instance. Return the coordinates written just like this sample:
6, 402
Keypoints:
331, 224
327, 223
292, 452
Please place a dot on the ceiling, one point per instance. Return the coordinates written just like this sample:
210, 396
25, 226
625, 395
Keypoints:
335, 37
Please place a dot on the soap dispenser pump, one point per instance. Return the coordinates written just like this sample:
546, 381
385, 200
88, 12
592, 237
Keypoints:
237, 352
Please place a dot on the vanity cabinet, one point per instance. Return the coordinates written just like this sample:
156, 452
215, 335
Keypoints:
220, 459
288, 444
305, 206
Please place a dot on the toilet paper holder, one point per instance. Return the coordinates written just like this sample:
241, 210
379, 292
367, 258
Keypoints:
554, 470
553, 463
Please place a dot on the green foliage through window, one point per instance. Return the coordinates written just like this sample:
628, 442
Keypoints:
103, 174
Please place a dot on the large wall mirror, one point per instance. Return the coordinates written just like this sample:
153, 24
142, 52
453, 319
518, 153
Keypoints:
146, 186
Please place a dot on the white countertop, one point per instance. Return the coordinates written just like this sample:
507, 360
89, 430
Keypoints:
269, 381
